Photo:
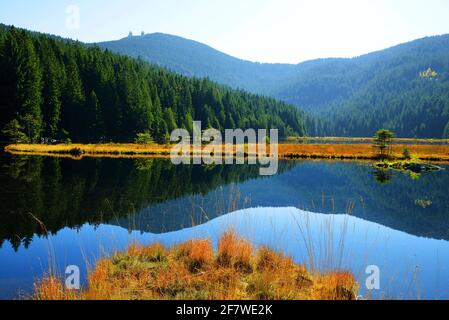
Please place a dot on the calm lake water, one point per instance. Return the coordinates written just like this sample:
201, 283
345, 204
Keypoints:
57, 212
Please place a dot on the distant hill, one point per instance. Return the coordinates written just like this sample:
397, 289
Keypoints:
194, 59
404, 88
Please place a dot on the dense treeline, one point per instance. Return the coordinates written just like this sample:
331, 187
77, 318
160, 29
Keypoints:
409, 107
63, 90
404, 89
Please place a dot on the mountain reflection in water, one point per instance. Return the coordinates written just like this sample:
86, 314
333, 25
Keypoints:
58, 208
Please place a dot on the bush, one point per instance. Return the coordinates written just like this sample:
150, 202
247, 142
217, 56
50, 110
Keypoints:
407, 154
144, 138
14, 131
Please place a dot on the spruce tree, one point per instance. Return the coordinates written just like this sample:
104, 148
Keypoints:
51, 94
27, 91
73, 99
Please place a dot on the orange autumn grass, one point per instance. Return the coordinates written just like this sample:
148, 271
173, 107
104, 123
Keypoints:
424, 152
363, 151
192, 271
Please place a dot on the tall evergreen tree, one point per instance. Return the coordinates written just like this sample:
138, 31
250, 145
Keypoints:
25, 89
73, 99
51, 93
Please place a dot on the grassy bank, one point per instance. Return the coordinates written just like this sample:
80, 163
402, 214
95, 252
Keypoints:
81, 150
370, 140
438, 153
362, 151
193, 271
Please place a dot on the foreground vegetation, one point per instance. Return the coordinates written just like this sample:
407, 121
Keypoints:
286, 151
193, 271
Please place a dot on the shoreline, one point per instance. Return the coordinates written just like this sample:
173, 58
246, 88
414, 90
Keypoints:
328, 151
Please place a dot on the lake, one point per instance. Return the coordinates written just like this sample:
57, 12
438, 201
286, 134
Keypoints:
57, 212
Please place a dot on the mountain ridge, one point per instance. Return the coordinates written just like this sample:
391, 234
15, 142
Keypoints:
169, 35
181, 55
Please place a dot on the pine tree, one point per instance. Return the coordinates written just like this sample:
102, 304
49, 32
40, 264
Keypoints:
27, 91
51, 94
73, 99
169, 118
8, 48
382, 142
188, 122
93, 118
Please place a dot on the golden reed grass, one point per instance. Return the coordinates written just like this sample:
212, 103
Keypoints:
425, 152
193, 271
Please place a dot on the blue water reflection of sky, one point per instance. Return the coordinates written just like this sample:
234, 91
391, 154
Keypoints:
411, 267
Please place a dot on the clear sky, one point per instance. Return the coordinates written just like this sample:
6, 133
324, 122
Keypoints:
257, 30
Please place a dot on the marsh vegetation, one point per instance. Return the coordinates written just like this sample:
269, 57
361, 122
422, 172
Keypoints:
193, 271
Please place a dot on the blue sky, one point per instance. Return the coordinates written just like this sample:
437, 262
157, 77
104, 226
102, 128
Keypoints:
258, 30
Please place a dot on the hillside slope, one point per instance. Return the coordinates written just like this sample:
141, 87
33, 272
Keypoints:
405, 89
388, 88
194, 59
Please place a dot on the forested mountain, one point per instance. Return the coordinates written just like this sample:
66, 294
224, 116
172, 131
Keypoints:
51, 87
194, 59
393, 88
404, 89
55, 88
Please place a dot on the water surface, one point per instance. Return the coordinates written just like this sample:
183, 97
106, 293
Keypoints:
57, 212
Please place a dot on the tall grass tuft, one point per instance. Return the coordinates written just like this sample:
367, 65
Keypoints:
193, 271
235, 252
